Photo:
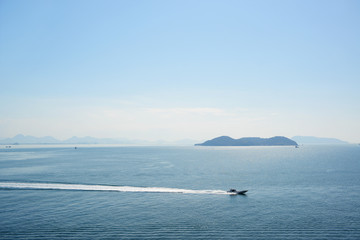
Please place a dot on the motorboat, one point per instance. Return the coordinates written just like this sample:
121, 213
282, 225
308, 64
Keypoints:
236, 192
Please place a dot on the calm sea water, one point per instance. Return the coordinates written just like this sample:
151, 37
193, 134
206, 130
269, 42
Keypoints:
312, 192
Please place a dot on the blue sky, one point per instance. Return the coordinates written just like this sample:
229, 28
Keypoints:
180, 69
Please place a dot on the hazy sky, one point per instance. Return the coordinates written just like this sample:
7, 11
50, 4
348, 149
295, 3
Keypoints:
180, 69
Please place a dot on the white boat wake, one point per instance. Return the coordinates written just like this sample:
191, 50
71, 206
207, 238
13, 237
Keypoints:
84, 187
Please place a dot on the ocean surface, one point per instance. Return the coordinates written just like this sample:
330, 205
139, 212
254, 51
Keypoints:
311, 192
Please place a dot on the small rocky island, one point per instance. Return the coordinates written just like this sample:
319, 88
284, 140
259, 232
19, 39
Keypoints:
249, 141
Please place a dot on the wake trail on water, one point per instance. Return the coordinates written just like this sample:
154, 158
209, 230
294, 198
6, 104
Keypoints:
84, 187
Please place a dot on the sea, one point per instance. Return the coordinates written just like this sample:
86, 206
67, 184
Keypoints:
137, 192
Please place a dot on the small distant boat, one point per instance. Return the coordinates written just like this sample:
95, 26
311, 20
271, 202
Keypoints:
235, 192
296, 146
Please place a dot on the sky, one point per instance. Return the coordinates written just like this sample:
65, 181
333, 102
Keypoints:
171, 70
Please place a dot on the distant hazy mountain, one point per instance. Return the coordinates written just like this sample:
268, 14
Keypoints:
91, 140
21, 139
249, 141
317, 140
29, 139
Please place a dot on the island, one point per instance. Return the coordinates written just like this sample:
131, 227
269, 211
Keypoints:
249, 141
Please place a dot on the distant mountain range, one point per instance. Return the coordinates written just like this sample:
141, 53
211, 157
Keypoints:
220, 141
21, 139
249, 141
317, 140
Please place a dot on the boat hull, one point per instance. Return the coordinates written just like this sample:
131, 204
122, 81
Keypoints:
238, 192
